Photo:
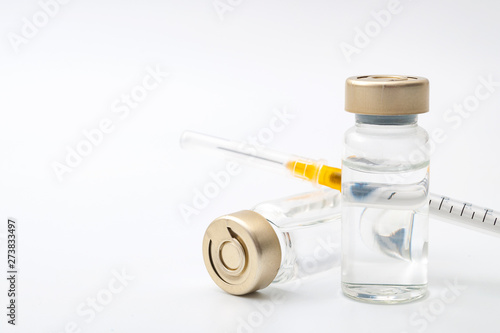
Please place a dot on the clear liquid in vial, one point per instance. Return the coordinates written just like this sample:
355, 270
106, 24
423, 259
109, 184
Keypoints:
384, 244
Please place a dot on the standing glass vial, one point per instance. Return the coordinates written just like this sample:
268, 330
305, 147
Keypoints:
277, 241
385, 179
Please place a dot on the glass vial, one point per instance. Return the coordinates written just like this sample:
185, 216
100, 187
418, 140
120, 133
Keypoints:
277, 241
385, 179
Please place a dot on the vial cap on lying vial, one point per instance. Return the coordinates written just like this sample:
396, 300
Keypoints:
387, 95
242, 252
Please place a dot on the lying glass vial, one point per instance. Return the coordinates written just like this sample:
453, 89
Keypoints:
275, 242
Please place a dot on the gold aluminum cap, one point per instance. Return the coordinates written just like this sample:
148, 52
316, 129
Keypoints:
242, 252
387, 95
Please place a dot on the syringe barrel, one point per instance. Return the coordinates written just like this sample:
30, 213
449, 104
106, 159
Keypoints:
464, 214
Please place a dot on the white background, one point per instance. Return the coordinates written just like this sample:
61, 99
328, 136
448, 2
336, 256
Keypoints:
119, 209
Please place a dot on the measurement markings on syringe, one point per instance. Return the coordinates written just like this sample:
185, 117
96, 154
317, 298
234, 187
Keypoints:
441, 204
444, 201
485, 214
464, 213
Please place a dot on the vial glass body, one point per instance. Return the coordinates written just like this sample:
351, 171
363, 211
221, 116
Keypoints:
309, 231
385, 177
277, 241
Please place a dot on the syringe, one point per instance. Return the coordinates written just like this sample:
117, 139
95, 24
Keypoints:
317, 172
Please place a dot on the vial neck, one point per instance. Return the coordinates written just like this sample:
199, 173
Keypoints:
410, 119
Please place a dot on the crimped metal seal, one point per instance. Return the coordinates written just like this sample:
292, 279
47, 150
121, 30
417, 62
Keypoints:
242, 252
387, 95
